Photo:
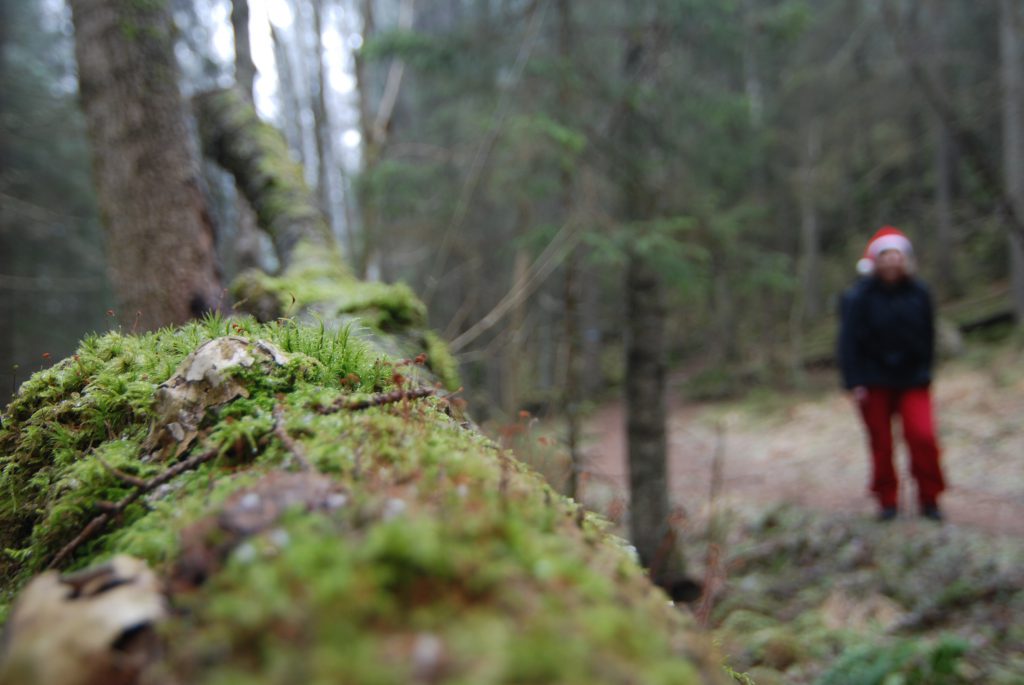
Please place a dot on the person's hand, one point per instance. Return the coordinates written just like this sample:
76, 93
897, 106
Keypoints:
859, 394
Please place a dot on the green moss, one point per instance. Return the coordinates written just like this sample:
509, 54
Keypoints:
900, 661
98, 404
318, 280
258, 156
319, 289
441, 361
447, 560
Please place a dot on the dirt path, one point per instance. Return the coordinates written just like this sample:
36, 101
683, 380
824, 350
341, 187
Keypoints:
813, 454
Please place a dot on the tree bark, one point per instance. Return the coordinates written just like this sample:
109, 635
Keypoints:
291, 117
945, 268
651, 528
245, 69
371, 150
571, 286
810, 239
944, 278
160, 235
1013, 137
646, 415
321, 120
7, 311
247, 240
257, 156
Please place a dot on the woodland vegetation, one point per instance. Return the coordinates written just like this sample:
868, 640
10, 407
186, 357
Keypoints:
257, 255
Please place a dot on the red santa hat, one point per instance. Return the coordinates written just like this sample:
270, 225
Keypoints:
887, 238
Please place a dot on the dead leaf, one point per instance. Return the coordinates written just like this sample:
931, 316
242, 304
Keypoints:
93, 627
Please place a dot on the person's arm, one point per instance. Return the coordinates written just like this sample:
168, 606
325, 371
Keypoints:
849, 359
929, 335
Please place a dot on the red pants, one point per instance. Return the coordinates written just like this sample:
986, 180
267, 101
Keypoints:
914, 405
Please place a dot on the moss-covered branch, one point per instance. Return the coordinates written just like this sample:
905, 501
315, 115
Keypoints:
257, 156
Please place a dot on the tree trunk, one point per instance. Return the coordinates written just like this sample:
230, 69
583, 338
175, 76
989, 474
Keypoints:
321, 120
247, 241
945, 268
810, 239
645, 397
571, 287
245, 69
291, 110
159, 234
1013, 137
7, 260
513, 357
370, 149
651, 528
257, 156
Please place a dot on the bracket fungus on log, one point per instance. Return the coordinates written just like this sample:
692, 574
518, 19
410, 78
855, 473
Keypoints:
207, 378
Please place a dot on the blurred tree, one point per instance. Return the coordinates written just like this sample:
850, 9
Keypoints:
246, 249
650, 521
1012, 55
321, 121
245, 70
52, 284
160, 236
573, 384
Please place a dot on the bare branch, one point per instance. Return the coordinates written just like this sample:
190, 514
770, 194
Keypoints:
392, 86
111, 510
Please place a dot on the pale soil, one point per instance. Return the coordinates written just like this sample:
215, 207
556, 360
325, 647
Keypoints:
813, 453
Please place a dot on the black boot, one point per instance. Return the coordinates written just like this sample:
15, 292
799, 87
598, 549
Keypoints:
931, 512
888, 514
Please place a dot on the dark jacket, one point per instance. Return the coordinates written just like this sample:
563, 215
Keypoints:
886, 334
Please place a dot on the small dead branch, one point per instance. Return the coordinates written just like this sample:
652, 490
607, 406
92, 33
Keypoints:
289, 443
378, 400
714, 574
111, 510
127, 478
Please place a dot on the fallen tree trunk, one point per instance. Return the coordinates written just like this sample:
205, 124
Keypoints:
256, 154
324, 521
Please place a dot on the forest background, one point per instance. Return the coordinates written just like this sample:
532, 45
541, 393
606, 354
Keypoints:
514, 161
590, 198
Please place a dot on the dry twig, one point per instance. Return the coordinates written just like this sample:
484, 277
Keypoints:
281, 433
380, 399
110, 510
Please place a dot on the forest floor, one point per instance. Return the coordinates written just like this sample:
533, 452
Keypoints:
802, 585
810, 451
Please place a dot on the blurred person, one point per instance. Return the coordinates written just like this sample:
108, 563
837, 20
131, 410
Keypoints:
886, 355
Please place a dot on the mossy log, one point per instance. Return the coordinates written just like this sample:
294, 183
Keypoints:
321, 518
315, 285
256, 154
